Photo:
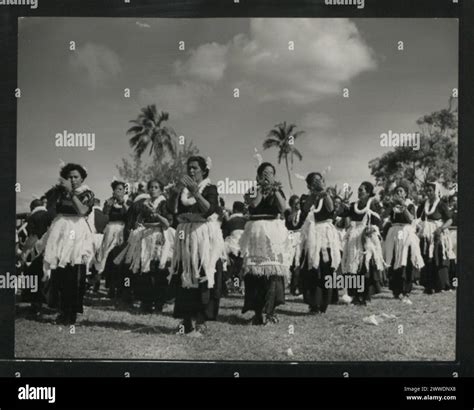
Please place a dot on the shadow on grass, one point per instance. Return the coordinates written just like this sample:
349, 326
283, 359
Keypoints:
129, 327
233, 319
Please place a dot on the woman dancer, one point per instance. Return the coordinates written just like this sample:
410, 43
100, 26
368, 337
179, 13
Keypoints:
232, 230
199, 248
340, 222
321, 246
293, 222
453, 231
436, 244
402, 246
362, 255
69, 241
265, 247
149, 249
116, 209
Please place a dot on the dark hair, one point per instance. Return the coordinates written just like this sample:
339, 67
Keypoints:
221, 202
96, 201
115, 184
238, 207
201, 162
312, 175
405, 186
160, 184
431, 184
262, 167
35, 203
292, 199
369, 188
64, 173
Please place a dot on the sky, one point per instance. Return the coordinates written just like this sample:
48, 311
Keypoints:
82, 90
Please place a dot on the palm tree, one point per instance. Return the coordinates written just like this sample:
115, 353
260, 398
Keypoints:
283, 138
150, 131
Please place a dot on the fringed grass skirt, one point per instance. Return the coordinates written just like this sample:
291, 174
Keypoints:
360, 248
146, 245
441, 248
266, 248
320, 239
453, 233
295, 249
232, 242
198, 248
113, 236
69, 241
401, 241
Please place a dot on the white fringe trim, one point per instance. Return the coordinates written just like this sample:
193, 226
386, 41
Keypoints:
317, 238
113, 236
360, 247
266, 248
400, 239
198, 245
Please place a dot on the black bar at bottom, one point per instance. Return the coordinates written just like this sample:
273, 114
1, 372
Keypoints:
238, 393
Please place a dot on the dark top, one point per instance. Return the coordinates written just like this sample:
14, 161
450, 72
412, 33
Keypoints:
289, 223
340, 223
139, 213
210, 195
100, 220
232, 224
146, 215
61, 202
324, 213
454, 217
38, 223
374, 206
267, 206
400, 217
115, 214
441, 212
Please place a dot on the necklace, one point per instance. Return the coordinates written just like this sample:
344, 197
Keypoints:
427, 209
320, 206
362, 211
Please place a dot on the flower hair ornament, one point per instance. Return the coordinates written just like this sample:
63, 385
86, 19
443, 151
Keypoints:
62, 164
258, 157
326, 170
209, 163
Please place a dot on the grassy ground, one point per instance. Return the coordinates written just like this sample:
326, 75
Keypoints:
429, 331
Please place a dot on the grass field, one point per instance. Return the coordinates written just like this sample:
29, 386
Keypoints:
103, 332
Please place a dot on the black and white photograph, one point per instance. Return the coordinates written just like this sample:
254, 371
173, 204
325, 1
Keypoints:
237, 189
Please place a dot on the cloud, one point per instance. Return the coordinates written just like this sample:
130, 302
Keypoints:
99, 62
178, 99
327, 54
206, 63
143, 25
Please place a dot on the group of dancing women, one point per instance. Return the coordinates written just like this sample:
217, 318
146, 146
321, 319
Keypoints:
181, 245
